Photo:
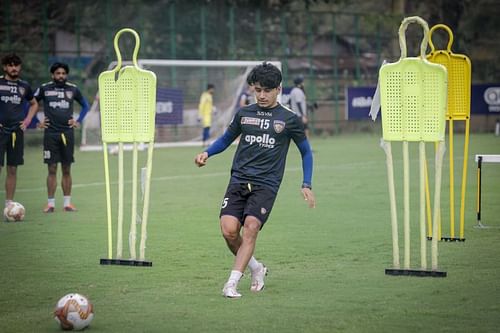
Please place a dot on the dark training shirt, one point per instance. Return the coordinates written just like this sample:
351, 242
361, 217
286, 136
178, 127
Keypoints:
58, 103
13, 96
265, 137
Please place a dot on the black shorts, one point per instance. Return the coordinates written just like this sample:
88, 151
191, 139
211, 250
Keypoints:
58, 147
245, 199
12, 144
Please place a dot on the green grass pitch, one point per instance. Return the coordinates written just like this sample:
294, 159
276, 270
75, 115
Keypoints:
326, 265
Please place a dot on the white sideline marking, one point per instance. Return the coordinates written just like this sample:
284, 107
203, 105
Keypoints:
214, 174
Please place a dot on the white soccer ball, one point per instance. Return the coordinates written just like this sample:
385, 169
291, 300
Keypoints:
14, 212
74, 312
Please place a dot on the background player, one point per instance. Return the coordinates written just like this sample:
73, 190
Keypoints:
246, 97
205, 109
14, 93
59, 140
266, 129
298, 101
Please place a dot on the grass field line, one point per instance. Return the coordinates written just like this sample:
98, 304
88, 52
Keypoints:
204, 175
337, 166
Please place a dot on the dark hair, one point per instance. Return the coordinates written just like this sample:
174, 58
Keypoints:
11, 58
266, 74
210, 86
55, 66
298, 80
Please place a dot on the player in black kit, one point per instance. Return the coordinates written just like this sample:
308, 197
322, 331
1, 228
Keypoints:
14, 93
59, 140
266, 129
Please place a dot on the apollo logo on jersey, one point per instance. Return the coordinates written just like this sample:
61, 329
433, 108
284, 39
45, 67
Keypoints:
61, 104
263, 140
11, 99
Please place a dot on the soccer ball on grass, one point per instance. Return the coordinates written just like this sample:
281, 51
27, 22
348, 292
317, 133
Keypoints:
14, 212
74, 312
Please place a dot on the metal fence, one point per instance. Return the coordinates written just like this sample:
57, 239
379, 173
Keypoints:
330, 49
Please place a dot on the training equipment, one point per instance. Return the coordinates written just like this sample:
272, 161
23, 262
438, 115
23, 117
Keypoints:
480, 159
458, 67
14, 212
128, 99
180, 84
413, 100
74, 312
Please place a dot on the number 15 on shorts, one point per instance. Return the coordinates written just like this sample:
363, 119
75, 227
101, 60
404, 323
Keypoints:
224, 202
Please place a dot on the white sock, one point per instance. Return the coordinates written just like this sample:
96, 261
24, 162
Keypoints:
7, 202
235, 276
67, 200
253, 264
51, 202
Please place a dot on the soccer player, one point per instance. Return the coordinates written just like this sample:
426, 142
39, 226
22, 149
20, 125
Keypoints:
298, 101
14, 93
205, 109
246, 97
58, 139
266, 130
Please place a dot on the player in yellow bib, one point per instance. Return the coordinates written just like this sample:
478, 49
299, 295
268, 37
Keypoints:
205, 109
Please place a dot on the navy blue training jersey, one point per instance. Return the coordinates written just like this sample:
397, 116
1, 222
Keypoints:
58, 103
265, 137
13, 95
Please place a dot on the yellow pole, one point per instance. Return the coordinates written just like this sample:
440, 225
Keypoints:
145, 209
133, 220
464, 179
428, 201
119, 232
423, 245
108, 200
437, 203
452, 183
406, 204
386, 145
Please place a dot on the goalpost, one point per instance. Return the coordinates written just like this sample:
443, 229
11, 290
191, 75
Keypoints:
180, 84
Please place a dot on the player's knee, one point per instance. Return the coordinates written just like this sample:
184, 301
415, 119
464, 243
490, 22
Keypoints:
52, 168
11, 170
230, 229
252, 226
66, 170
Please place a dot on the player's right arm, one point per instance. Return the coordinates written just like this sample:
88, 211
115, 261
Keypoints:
217, 147
221, 143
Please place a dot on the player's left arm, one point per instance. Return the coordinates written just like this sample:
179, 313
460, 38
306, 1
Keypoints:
307, 171
83, 112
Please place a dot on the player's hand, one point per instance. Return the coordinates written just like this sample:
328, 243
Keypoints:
73, 123
308, 195
25, 123
201, 159
43, 124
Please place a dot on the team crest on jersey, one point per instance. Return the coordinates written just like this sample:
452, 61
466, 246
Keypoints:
69, 94
278, 126
22, 90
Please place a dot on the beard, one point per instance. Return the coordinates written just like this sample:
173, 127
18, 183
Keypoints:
13, 75
60, 82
